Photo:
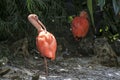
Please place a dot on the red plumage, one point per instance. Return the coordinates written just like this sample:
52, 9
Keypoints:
46, 44
45, 41
80, 25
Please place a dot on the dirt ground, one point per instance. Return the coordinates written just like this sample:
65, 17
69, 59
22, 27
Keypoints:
66, 66
60, 69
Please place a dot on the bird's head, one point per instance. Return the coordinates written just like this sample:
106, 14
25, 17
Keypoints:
83, 14
33, 18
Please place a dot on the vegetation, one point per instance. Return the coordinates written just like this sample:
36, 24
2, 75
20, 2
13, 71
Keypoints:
17, 37
109, 11
14, 24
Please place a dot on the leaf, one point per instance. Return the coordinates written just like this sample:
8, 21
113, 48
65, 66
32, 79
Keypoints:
29, 5
90, 8
101, 3
116, 6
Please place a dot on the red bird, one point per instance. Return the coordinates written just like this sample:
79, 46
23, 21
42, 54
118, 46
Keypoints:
80, 25
45, 41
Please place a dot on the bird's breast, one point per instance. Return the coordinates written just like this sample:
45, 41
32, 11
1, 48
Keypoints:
80, 26
46, 44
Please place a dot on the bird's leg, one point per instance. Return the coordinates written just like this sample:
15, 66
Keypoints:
46, 67
78, 38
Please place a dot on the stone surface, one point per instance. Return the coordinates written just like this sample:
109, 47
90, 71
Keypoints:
105, 55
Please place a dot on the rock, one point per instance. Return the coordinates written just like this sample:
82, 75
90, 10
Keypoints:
20, 47
3, 61
116, 47
105, 55
86, 47
4, 71
35, 77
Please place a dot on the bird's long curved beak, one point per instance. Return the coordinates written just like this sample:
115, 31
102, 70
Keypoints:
33, 19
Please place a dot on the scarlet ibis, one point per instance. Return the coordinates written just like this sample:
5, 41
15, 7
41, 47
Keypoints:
45, 41
80, 25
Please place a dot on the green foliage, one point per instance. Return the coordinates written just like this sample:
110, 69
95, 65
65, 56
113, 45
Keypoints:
12, 19
13, 16
14, 23
36, 6
90, 8
7, 12
101, 3
116, 6
50, 12
111, 19
46, 9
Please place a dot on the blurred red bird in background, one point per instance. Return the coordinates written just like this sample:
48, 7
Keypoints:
80, 25
45, 41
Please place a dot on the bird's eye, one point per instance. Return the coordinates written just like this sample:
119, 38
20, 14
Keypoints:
36, 17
